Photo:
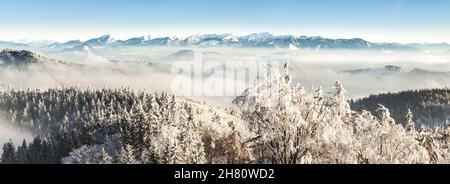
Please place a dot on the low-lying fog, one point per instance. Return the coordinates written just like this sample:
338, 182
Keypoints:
153, 68
9, 132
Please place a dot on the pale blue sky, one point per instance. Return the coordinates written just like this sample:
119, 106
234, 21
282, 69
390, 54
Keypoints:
374, 20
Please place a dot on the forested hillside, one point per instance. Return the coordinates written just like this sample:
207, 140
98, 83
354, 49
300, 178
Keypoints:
275, 122
120, 126
429, 106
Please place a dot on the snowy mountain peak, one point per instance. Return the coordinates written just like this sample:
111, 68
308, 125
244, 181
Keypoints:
259, 36
107, 38
103, 40
232, 38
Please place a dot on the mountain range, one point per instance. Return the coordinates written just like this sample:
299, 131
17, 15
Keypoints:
256, 40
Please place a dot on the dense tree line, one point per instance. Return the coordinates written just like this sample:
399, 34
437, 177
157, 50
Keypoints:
429, 106
144, 127
39, 151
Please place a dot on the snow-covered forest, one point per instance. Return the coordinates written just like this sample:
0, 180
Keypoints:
276, 121
429, 106
224, 82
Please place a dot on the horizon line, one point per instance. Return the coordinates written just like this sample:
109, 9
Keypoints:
25, 40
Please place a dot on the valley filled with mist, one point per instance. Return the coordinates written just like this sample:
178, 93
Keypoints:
151, 68
112, 101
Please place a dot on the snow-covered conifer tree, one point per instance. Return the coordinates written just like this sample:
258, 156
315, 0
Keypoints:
385, 115
104, 157
409, 123
126, 155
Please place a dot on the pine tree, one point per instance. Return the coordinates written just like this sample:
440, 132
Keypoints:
9, 153
430, 146
127, 155
190, 139
409, 125
22, 153
104, 157
65, 122
26, 111
148, 157
385, 115
138, 126
340, 101
35, 151
165, 146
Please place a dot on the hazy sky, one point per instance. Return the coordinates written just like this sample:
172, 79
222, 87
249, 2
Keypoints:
374, 20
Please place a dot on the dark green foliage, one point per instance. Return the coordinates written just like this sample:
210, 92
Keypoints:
430, 107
